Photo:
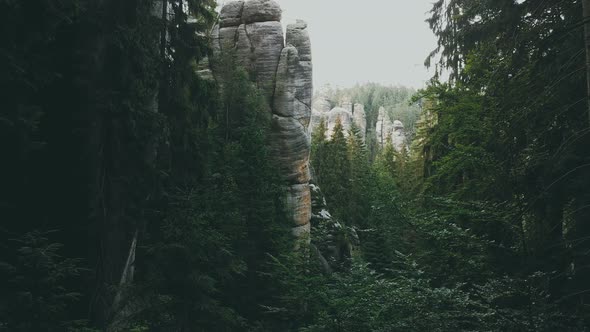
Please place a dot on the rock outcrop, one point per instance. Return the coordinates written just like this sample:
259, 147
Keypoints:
320, 107
392, 131
384, 127
398, 138
359, 117
348, 114
336, 115
251, 32
321, 103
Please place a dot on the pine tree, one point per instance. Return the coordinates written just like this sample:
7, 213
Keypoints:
361, 180
335, 178
318, 150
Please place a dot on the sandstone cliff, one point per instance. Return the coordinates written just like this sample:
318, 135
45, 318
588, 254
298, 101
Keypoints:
348, 114
281, 66
392, 131
398, 137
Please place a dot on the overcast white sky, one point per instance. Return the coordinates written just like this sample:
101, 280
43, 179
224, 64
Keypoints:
383, 41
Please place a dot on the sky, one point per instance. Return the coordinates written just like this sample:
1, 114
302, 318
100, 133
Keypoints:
382, 41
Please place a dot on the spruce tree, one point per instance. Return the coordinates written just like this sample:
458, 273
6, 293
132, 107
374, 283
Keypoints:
319, 150
335, 176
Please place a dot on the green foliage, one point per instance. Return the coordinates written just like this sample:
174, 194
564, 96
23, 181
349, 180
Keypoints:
485, 199
361, 179
107, 131
509, 133
207, 261
363, 300
189, 261
318, 150
334, 178
37, 294
395, 101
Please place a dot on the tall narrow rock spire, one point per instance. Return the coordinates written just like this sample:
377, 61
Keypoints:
252, 32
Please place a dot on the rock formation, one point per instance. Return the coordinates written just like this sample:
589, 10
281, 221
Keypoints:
393, 131
398, 136
319, 108
384, 127
348, 114
321, 103
359, 117
338, 114
251, 31
347, 104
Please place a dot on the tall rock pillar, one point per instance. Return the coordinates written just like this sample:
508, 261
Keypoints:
282, 69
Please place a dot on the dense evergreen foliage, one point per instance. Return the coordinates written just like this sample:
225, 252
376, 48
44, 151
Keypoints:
395, 101
490, 204
123, 164
137, 195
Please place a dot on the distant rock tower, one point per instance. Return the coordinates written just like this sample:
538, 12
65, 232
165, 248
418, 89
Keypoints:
252, 31
393, 131
348, 114
398, 137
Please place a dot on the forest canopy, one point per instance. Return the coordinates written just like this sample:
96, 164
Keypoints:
140, 190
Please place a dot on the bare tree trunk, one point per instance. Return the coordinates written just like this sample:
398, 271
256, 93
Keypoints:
586, 6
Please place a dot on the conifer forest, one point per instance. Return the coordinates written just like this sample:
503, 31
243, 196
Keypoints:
170, 166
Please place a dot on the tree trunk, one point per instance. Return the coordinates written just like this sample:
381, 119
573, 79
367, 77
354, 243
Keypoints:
586, 7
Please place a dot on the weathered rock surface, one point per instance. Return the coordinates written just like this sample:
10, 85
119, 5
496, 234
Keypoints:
321, 103
347, 115
392, 131
231, 14
251, 32
266, 44
336, 115
398, 137
384, 127
347, 105
316, 119
290, 147
359, 118
292, 97
261, 11
320, 107
298, 203
298, 37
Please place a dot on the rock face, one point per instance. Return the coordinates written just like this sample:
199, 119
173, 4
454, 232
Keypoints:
347, 105
231, 14
398, 137
336, 115
321, 103
253, 30
360, 119
261, 11
348, 114
384, 127
252, 33
392, 131
319, 108
316, 119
